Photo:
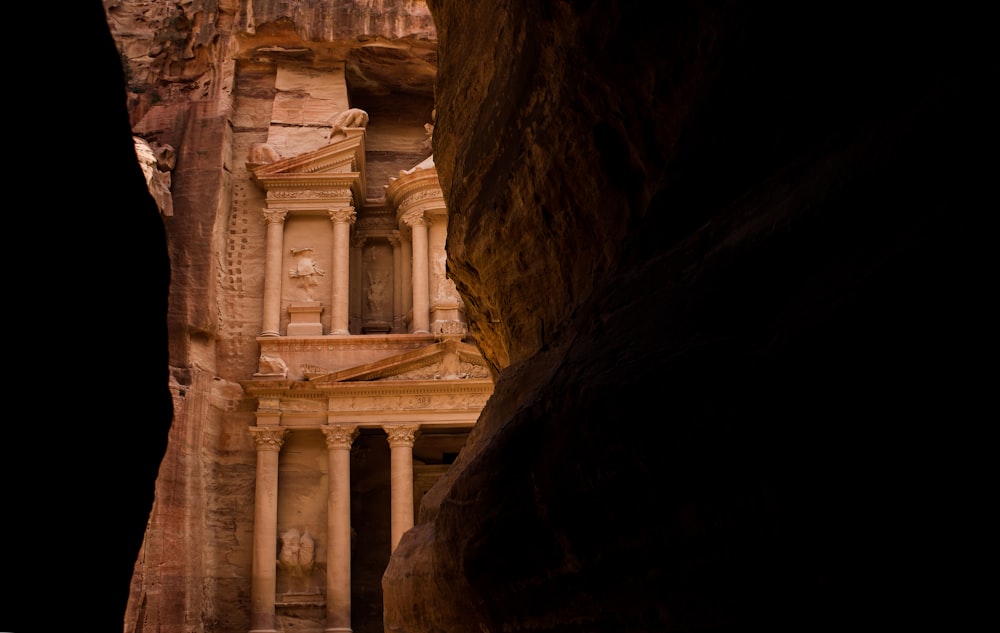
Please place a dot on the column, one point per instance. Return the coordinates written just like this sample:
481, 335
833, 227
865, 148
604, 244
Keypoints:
421, 294
268, 440
437, 236
406, 279
401, 438
357, 282
271, 318
397, 282
340, 310
338, 527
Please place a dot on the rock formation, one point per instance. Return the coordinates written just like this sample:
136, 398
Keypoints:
741, 230
723, 265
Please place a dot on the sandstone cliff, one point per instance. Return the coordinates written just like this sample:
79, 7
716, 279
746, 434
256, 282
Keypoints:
726, 272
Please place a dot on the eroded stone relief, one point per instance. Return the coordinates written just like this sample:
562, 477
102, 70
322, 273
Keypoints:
268, 365
306, 272
297, 559
352, 117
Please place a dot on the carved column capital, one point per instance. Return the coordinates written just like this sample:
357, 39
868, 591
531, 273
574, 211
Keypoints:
358, 240
395, 239
339, 436
414, 217
275, 216
345, 215
401, 434
268, 438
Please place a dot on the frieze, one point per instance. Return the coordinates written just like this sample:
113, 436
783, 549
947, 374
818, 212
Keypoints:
302, 405
410, 402
434, 372
307, 194
378, 221
426, 194
278, 346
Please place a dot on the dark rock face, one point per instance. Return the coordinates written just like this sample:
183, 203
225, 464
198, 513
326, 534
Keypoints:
87, 301
726, 271
721, 262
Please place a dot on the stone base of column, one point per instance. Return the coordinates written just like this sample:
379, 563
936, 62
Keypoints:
338, 630
263, 630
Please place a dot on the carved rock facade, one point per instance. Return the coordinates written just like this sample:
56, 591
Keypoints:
321, 366
720, 267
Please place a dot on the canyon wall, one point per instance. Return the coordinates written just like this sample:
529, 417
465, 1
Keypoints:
725, 265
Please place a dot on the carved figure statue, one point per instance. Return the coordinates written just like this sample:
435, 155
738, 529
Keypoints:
307, 554
378, 292
297, 557
352, 117
429, 129
272, 366
306, 271
288, 557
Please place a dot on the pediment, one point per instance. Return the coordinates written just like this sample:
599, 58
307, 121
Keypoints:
339, 163
447, 360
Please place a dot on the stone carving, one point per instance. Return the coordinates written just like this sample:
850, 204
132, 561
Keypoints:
306, 271
308, 194
378, 292
313, 371
262, 154
449, 328
443, 371
307, 554
271, 366
428, 144
352, 117
297, 558
343, 215
268, 439
413, 217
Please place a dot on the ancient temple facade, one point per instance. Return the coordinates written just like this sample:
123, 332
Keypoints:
321, 368
362, 333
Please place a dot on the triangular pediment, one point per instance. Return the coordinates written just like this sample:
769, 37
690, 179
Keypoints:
447, 360
339, 163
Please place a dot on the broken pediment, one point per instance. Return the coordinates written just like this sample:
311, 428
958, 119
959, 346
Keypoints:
335, 166
447, 360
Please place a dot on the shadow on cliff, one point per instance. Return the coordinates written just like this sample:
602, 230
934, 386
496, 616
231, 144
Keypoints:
88, 287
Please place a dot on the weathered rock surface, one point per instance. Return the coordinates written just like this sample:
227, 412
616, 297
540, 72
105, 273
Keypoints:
726, 272
718, 261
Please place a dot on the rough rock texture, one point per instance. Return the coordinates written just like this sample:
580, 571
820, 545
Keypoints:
86, 298
721, 262
200, 77
726, 271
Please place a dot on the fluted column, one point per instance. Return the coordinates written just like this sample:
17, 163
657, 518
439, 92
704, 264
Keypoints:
406, 278
357, 282
338, 527
271, 317
340, 310
401, 439
421, 296
397, 281
268, 440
